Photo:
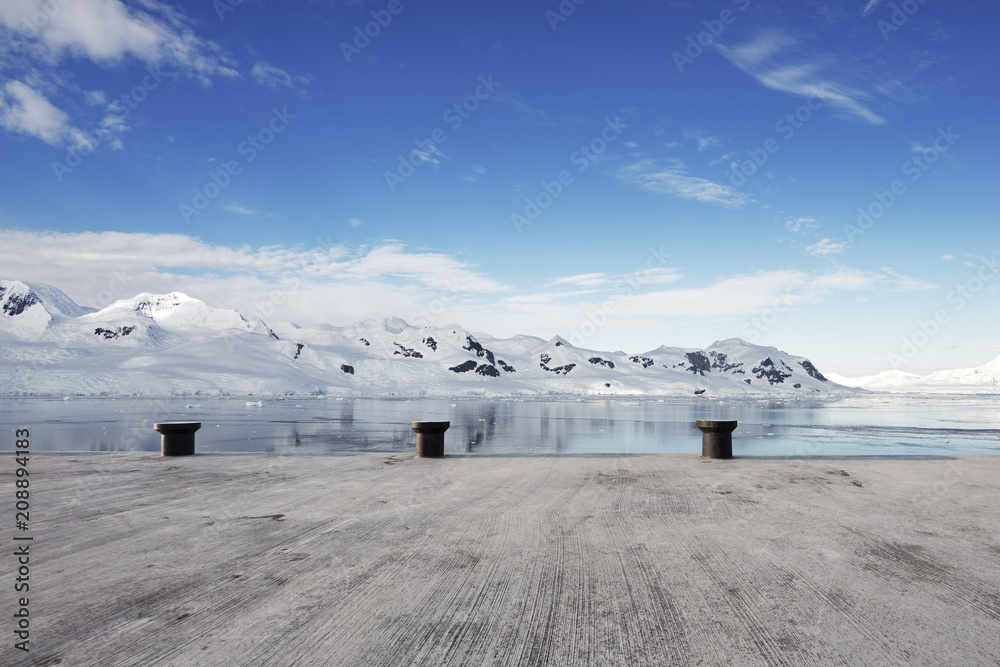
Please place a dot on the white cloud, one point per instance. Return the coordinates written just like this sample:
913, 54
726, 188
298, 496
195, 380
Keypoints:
525, 110
95, 98
355, 222
897, 282
947, 258
26, 111
735, 296
108, 31
235, 207
825, 247
324, 283
586, 279
39, 35
705, 140
870, 7
755, 293
797, 224
648, 276
478, 171
669, 177
433, 155
727, 158
333, 283
271, 76
766, 59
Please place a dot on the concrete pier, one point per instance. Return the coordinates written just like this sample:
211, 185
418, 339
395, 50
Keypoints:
430, 439
382, 559
717, 438
177, 437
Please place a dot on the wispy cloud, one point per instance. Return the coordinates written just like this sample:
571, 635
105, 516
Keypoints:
870, 7
326, 282
769, 58
235, 207
433, 155
657, 275
705, 140
825, 247
338, 284
670, 177
478, 171
798, 224
646, 276
522, 108
24, 110
274, 77
584, 279
754, 293
107, 33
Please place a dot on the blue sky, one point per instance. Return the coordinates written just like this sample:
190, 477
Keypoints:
815, 176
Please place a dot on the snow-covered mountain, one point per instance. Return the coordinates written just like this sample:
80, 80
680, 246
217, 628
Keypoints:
27, 310
172, 344
983, 379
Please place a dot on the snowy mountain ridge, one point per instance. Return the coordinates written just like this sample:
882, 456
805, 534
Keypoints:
173, 344
982, 379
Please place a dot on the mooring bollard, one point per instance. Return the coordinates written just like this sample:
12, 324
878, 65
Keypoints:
430, 439
717, 438
178, 437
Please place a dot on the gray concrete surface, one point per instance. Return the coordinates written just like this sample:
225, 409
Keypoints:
510, 560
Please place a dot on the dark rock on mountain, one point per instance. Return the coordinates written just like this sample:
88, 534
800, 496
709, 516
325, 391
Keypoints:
298, 350
544, 364
767, 369
719, 362
811, 370
365, 341
645, 361
507, 367
472, 345
699, 363
602, 362
18, 303
347, 369
110, 334
431, 343
464, 367
487, 370
407, 351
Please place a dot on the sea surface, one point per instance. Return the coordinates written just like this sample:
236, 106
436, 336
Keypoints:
878, 424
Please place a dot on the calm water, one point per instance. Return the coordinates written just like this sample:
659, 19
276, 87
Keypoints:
868, 425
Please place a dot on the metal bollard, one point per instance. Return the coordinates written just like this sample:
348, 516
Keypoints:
717, 438
178, 437
430, 439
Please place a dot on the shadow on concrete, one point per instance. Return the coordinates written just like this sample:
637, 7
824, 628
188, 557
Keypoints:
543, 455
851, 457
